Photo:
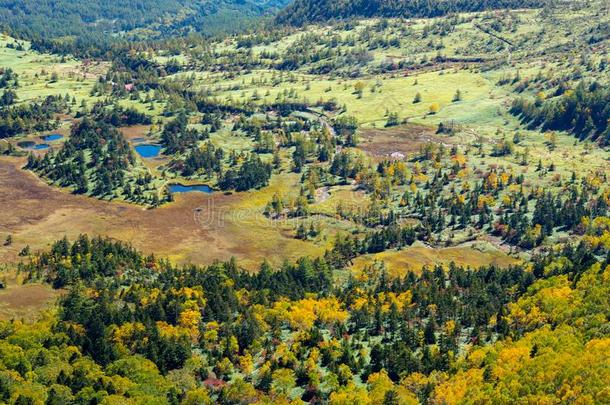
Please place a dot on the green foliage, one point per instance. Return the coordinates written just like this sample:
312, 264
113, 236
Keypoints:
253, 173
301, 12
66, 26
583, 111
133, 326
95, 160
22, 118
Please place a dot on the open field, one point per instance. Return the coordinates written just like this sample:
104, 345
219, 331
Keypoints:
406, 140
414, 258
195, 228
381, 94
199, 228
35, 70
25, 302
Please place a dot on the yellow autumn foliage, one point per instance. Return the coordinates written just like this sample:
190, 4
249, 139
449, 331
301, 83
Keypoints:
350, 395
459, 159
485, 200
125, 336
168, 331
302, 314
560, 354
379, 384
190, 320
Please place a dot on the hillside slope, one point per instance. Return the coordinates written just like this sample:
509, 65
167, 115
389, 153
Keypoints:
94, 19
308, 11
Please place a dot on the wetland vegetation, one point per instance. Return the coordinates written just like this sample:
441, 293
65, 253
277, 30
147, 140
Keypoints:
348, 203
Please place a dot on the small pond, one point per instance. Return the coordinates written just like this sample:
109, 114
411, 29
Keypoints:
33, 145
26, 144
148, 151
180, 188
52, 137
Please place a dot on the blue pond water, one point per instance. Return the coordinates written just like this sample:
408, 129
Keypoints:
148, 151
33, 145
52, 137
26, 144
180, 188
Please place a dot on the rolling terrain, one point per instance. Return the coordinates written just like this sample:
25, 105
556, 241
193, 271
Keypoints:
302, 12
357, 203
94, 24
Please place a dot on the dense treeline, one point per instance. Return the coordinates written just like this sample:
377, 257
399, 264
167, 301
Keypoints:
115, 266
23, 118
83, 28
310, 11
138, 327
118, 116
8, 78
244, 172
584, 111
253, 173
60, 18
96, 160
177, 138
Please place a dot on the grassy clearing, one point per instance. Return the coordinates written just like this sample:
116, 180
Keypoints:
414, 258
24, 302
381, 95
36, 73
234, 225
196, 228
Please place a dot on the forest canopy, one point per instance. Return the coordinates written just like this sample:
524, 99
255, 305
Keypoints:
134, 327
97, 22
375, 211
302, 12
